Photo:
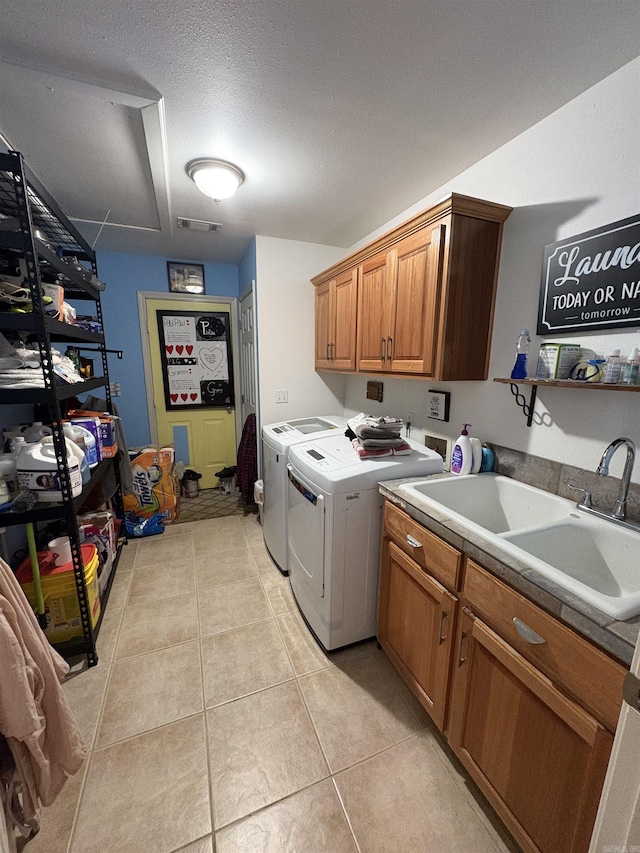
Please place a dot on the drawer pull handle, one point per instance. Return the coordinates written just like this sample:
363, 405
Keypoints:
413, 542
382, 350
527, 633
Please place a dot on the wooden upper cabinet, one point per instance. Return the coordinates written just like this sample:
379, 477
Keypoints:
336, 322
415, 326
426, 293
323, 325
374, 302
345, 301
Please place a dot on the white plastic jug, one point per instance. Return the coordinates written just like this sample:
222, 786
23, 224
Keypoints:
36, 431
38, 470
85, 440
8, 471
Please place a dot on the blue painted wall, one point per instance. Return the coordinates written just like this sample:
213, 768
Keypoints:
247, 266
125, 275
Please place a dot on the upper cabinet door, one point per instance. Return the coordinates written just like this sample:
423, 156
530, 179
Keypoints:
345, 305
323, 325
416, 328
375, 303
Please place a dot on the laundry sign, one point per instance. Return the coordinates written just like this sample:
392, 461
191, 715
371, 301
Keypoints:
592, 280
195, 352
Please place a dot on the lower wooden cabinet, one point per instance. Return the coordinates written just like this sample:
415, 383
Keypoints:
416, 628
538, 756
527, 705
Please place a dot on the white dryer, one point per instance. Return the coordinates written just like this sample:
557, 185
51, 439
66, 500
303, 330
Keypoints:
334, 523
276, 441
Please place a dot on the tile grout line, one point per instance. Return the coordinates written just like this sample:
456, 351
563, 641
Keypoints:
346, 814
206, 724
74, 824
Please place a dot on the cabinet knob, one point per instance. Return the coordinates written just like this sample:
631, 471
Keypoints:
413, 542
527, 633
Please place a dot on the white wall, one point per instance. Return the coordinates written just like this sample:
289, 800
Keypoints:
286, 330
576, 170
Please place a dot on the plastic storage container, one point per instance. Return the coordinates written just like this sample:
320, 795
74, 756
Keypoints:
60, 593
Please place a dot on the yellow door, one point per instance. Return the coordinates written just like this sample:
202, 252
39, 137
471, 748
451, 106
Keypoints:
205, 435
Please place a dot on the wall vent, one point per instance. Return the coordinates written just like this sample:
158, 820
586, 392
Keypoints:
198, 224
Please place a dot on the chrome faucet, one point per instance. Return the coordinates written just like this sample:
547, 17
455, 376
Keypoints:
619, 512
620, 506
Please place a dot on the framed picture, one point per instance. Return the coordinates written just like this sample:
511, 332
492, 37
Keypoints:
185, 278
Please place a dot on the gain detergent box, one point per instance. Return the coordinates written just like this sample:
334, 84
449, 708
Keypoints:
155, 485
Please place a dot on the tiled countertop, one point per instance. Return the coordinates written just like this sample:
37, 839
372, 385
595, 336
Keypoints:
617, 638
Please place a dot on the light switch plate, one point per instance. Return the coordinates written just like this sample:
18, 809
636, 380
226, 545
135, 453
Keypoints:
282, 396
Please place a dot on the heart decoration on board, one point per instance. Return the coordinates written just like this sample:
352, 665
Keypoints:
169, 348
210, 359
194, 396
184, 397
189, 349
174, 397
179, 349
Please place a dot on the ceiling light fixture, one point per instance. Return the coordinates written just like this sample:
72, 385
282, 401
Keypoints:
215, 178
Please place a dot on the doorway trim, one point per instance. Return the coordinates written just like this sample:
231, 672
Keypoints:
143, 297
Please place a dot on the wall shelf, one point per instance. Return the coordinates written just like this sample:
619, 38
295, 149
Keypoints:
534, 384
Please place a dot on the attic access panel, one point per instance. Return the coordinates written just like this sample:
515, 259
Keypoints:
196, 358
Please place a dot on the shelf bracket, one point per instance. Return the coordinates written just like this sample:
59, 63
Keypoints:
529, 407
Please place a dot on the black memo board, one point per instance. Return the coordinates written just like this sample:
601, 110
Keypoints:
196, 358
592, 280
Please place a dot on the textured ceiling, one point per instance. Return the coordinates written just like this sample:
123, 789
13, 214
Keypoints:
341, 113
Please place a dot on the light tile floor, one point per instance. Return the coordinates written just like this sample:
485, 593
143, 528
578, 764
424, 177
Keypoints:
215, 723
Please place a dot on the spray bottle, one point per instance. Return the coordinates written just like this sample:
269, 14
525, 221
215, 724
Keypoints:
522, 346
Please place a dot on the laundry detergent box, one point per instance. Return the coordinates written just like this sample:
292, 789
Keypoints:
155, 486
556, 360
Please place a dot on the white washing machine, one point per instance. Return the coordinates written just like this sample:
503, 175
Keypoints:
335, 512
276, 441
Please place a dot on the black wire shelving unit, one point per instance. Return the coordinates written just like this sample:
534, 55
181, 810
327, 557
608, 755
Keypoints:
28, 215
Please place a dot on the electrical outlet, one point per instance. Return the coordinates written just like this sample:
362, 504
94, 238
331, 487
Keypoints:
116, 390
282, 396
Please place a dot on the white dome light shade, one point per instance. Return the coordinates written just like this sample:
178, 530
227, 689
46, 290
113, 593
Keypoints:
215, 178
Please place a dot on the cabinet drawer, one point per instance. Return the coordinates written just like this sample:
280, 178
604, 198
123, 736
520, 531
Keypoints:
427, 550
572, 663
